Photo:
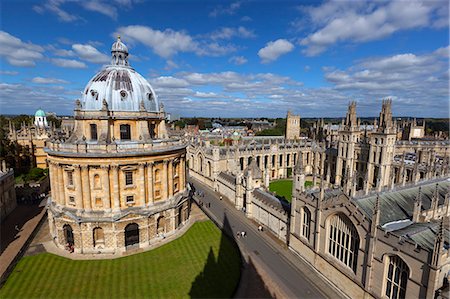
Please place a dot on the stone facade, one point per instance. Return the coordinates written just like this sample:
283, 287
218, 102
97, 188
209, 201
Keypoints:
385, 228
7, 191
118, 181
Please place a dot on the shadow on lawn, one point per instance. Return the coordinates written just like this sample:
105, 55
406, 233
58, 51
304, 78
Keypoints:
217, 275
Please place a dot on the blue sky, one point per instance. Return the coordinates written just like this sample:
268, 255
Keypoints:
233, 59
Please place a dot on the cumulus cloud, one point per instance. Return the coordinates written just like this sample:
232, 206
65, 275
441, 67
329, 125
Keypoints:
238, 60
419, 80
89, 53
356, 21
170, 42
25, 98
17, 52
273, 50
69, 63
42, 80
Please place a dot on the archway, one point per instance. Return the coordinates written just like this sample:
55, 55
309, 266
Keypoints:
98, 236
131, 234
161, 225
68, 234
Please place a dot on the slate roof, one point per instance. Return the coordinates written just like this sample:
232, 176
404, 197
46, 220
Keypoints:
228, 177
399, 204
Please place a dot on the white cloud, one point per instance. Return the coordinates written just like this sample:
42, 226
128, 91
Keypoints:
229, 32
63, 52
17, 52
42, 80
9, 73
420, 80
238, 60
53, 6
26, 98
69, 63
227, 10
101, 7
273, 50
169, 42
89, 53
107, 8
360, 21
164, 43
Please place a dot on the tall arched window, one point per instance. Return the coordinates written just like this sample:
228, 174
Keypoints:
396, 278
306, 222
209, 170
343, 240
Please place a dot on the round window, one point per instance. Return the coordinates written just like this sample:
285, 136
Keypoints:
123, 94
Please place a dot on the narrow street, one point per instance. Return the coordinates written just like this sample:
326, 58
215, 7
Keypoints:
295, 277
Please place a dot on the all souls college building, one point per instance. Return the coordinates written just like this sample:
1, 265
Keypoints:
377, 227
118, 181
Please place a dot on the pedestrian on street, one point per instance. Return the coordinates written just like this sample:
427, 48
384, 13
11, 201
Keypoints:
260, 228
17, 228
238, 234
220, 197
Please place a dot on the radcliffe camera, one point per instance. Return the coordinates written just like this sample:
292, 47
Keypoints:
224, 149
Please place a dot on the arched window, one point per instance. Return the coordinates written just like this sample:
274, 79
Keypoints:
200, 164
125, 132
209, 170
343, 240
306, 222
98, 237
396, 278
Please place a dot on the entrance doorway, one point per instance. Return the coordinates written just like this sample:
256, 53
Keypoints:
68, 234
131, 234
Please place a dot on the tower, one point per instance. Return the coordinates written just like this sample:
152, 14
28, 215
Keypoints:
348, 136
381, 148
292, 126
299, 174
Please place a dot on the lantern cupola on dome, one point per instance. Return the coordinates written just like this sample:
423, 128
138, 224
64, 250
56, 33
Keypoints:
119, 53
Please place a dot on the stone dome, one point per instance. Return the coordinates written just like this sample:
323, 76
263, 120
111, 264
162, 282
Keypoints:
120, 86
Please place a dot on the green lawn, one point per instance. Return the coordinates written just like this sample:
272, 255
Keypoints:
283, 188
201, 263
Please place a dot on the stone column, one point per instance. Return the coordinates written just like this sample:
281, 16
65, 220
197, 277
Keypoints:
164, 178
86, 186
107, 192
115, 191
141, 183
182, 184
54, 183
61, 185
151, 195
78, 187
170, 178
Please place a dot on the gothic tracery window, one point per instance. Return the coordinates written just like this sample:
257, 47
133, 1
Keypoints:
306, 222
396, 278
343, 240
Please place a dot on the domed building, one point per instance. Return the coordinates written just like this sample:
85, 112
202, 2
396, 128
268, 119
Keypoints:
118, 181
